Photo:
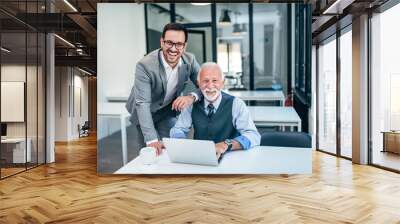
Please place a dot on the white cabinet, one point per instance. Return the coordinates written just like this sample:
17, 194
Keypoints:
18, 149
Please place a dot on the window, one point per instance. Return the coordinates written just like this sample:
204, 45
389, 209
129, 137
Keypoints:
385, 86
327, 95
346, 93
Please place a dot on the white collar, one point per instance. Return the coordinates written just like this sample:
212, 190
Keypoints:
216, 103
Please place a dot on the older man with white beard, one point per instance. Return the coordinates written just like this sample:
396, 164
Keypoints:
219, 117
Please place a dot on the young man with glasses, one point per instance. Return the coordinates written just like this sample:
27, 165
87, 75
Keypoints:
165, 83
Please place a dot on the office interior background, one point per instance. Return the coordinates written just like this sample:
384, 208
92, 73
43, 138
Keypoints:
343, 85
255, 44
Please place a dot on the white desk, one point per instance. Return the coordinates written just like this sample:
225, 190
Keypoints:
255, 95
258, 160
19, 153
275, 116
259, 95
117, 98
116, 110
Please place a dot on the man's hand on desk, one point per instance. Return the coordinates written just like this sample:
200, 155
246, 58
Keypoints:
182, 102
220, 148
159, 146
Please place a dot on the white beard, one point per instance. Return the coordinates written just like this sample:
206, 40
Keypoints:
211, 98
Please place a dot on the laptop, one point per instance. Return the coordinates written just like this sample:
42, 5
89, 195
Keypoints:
199, 152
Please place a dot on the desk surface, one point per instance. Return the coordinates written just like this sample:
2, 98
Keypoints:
259, 95
14, 140
273, 114
111, 109
258, 160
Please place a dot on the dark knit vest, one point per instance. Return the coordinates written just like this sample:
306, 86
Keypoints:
217, 128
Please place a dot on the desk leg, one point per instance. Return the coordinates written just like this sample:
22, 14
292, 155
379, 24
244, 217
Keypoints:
123, 140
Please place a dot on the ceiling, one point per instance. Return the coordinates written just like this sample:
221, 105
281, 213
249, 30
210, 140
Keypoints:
76, 22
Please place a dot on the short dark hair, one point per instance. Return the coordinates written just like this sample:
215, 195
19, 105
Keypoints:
177, 27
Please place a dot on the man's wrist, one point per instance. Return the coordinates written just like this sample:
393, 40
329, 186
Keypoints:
194, 98
194, 95
229, 144
151, 141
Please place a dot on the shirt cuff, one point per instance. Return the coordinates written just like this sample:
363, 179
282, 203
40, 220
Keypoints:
244, 142
151, 141
178, 135
195, 96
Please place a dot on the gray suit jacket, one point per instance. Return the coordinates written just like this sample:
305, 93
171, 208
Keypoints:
145, 103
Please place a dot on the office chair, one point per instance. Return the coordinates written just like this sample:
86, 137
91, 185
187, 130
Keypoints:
84, 130
237, 89
273, 87
286, 139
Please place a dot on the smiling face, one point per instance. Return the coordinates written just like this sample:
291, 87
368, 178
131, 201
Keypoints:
170, 45
211, 82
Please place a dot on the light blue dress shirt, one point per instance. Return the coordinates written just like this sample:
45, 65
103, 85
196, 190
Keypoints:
241, 120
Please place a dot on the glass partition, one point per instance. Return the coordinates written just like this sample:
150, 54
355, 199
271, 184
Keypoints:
22, 88
270, 46
14, 153
233, 47
158, 14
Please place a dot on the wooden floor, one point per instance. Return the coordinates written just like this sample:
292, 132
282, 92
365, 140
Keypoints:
70, 191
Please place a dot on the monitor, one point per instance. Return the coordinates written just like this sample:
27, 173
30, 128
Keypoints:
3, 129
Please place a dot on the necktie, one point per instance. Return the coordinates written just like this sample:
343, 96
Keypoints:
210, 108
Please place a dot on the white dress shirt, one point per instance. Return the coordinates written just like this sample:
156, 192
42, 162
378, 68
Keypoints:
172, 79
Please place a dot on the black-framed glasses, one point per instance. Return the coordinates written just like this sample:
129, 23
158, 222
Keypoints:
170, 44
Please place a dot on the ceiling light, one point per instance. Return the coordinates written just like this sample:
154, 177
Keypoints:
225, 19
65, 41
236, 29
70, 5
200, 4
84, 71
335, 7
244, 28
5, 50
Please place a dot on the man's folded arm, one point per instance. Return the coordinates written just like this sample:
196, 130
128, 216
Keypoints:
183, 125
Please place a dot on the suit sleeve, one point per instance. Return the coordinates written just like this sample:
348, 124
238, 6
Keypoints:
142, 91
193, 86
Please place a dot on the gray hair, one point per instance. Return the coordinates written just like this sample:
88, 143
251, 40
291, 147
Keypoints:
210, 65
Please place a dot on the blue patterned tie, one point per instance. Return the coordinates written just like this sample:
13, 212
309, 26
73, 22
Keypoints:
210, 108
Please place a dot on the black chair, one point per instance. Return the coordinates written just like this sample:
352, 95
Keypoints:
84, 130
286, 139
273, 87
237, 89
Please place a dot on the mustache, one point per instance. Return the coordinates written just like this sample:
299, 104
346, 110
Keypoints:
210, 89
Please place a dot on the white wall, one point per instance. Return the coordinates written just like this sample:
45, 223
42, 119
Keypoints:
121, 43
67, 114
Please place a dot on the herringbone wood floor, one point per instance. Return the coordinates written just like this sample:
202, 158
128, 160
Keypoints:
70, 191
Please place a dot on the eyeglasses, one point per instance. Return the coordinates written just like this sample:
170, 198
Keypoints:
170, 44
